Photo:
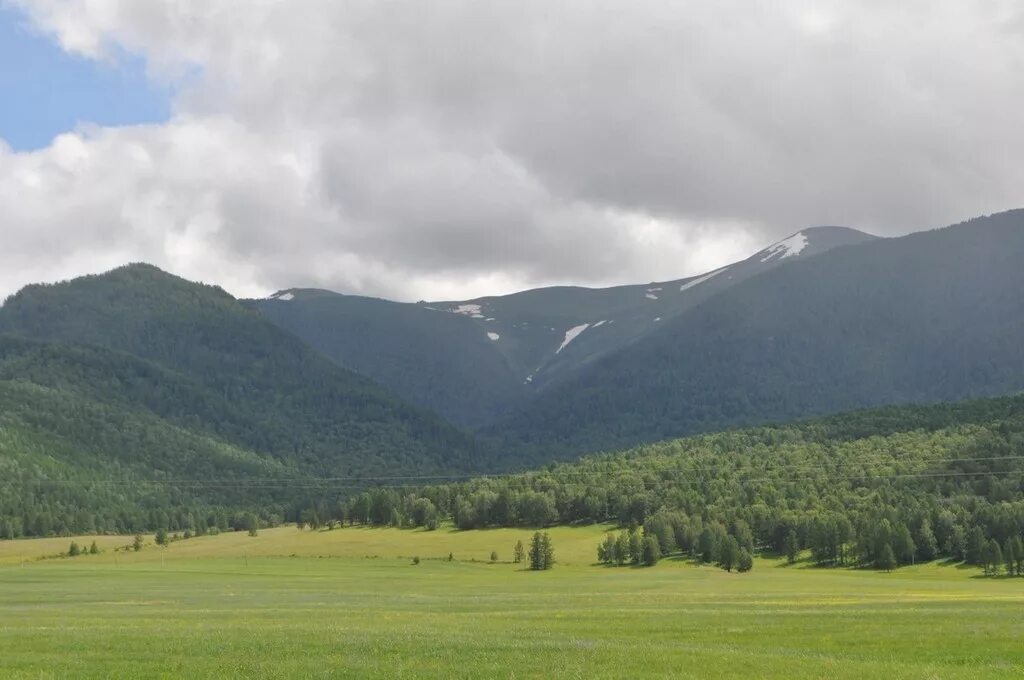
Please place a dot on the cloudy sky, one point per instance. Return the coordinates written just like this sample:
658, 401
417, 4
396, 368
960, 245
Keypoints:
453, 148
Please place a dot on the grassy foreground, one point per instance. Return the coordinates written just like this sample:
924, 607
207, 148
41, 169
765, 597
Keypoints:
350, 603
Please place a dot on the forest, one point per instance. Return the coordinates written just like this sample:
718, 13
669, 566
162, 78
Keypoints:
879, 488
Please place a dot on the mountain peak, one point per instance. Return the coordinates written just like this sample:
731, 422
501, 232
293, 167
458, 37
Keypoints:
812, 241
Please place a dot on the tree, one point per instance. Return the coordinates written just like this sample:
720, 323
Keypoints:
621, 549
74, 550
903, 545
1018, 551
252, 523
661, 525
924, 539
993, 558
729, 554
744, 536
708, 545
746, 562
651, 551
635, 547
957, 544
975, 551
606, 550
161, 536
518, 553
137, 542
494, 556
542, 554
422, 512
792, 546
886, 559
94, 549
548, 550
311, 517
1010, 556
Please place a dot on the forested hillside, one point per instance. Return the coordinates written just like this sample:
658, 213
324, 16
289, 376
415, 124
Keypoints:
114, 385
928, 317
926, 482
284, 398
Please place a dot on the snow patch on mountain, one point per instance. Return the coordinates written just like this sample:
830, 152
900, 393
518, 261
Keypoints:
282, 296
793, 245
696, 282
571, 335
467, 310
650, 296
492, 335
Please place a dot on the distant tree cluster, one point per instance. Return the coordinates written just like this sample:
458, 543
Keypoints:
669, 532
629, 548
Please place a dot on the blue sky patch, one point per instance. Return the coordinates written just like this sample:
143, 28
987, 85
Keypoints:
45, 91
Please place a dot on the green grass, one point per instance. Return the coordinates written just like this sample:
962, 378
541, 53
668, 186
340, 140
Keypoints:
351, 604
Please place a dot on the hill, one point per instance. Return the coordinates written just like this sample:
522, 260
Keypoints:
137, 377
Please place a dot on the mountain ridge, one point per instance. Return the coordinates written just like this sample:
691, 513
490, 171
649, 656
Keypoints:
486, 357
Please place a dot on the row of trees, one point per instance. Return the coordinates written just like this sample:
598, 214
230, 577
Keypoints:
629, 547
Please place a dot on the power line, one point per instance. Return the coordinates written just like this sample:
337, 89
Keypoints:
737, 476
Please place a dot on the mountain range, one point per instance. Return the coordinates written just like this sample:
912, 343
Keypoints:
140, 376
476, 361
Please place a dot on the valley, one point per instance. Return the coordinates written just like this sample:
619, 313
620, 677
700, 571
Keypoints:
349, 603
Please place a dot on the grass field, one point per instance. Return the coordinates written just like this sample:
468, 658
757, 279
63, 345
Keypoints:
350, 603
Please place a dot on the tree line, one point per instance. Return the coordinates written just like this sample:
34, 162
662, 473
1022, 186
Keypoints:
883, 488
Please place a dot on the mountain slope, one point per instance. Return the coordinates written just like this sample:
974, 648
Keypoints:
238, 376
97, 440
476, 361
548, 333
931, 316
438, 361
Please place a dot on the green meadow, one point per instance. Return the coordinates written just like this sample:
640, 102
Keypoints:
351, 603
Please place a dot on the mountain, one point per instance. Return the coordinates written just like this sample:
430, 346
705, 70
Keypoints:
478, 361
193, 356
548, 333
933, 316
442, 362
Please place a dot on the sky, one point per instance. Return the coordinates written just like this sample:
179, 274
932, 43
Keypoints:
457, 148
47, 91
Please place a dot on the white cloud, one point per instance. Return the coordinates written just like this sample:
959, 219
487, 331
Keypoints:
461, 148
